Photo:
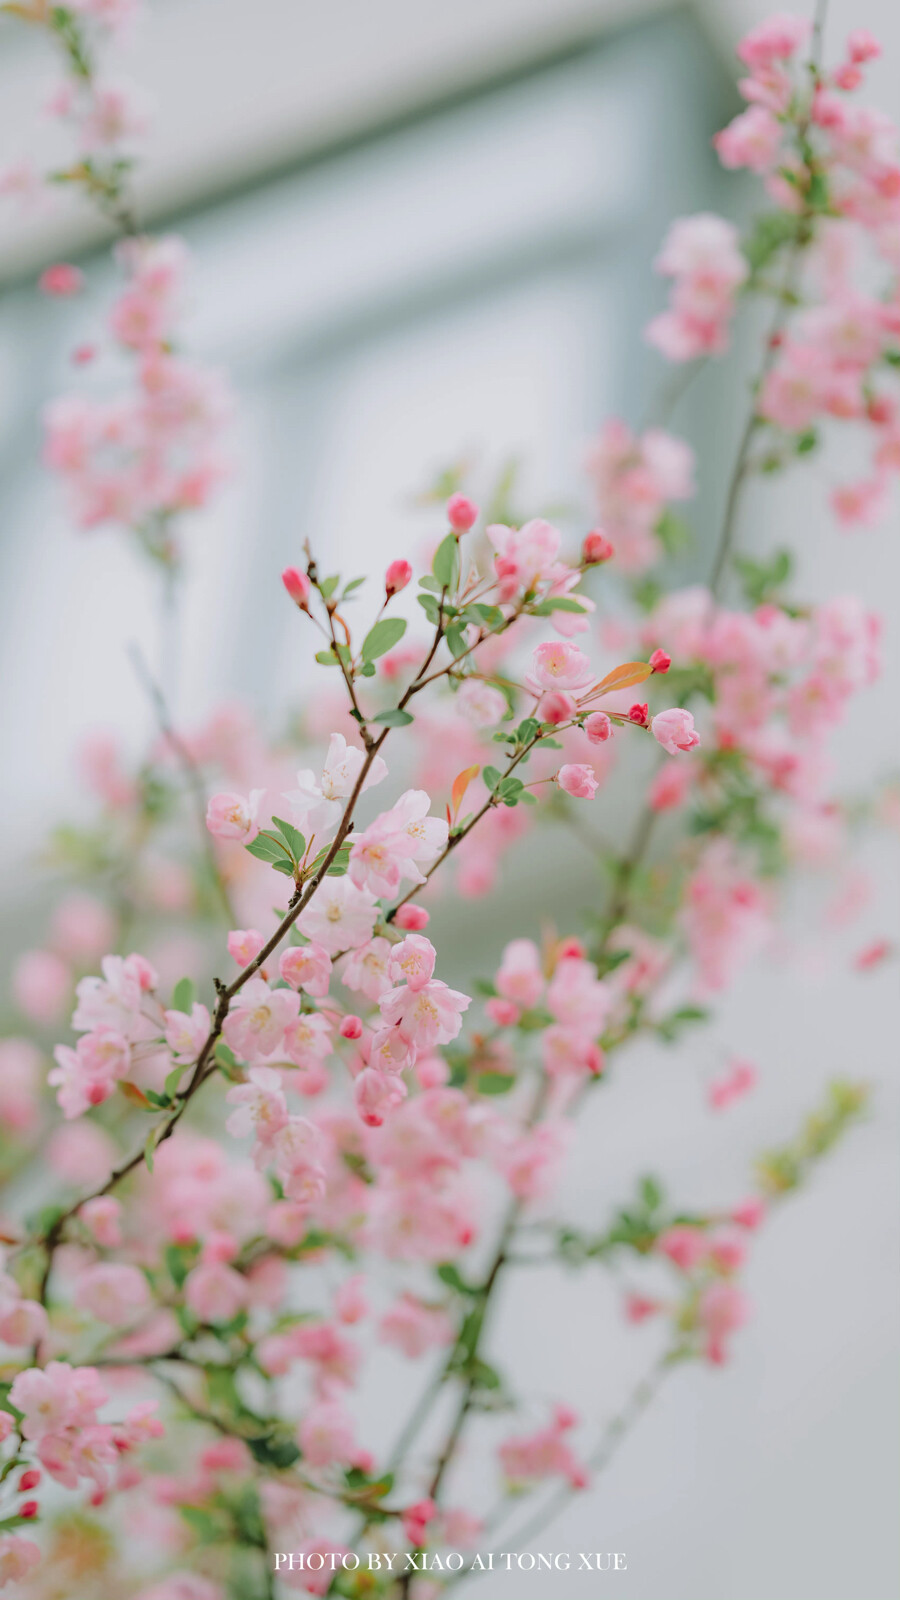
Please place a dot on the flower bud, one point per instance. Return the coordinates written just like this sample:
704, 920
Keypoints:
598, 727
29, 1509
298, 586
660, 661
397, 577
461, 513
640, 715
61, 280
351, 1028
412, 918
596, 548
29, 1480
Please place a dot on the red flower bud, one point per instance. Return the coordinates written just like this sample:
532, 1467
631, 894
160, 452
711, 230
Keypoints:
461, 513
298, 586
61, 280
596, 548
660, 661
29, 1480
29, 1509
351, 1028
640, 715
412, 919
398, 575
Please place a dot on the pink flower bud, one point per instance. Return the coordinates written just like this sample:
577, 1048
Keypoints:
83, 354
298, 586
503, 1013
660, 661
351, 1028
640, 715
675, 730
578, 780
61, 280
862, 46
244, 945
29, 1480
598, 727
596, 548
461, 513
412, 918
398, 575
29, 1509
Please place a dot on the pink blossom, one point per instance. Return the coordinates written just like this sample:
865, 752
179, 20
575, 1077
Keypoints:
18, 1557
578, 780
317, 806
749, 1213
675, 730
415, 1327
307, 1040
297, 1150
261, 1108
670, 786
545, 1454
56, 1398
22, 1322
102, 1217
684, 1246
412, 961
42, 983
230, 816
244, 945
351, 1027
525, 557
350, 1302
255, 1024
61, 280
298, 586
326, 1435
21, 1076
596, 548
376, 1094
411, 918
558, 665
480, 703
722, 1310
366, 969
215, 1292
521, 977
426, 1016
726, 1250
415, 1520
740, 1078
598, 727
113, 1292
397, 844
186, 1035
307, 967
461, 513
752, 140
340, 916
776, 39
398, 575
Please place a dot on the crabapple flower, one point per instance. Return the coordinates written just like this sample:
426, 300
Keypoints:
366, 970
415, 1327
702, 257
740, 1078
230, 816
674, 730
307, 967
17, 1558
61, 280
186, 1035
57, 1398
377, 1094
340, 916
685, 1246
412, 961
480, 703
397, 843
545, 1454
255, 1024
412, 918
297, 1148
723, 1309
317, 807
398, 575
102, 1217
427, 1016
558, 665
598, 727
521, 977
634, 478
22, 1322
113, 1292
215, 1292
578, 780
298, 586
261, 1109
596, 548
415, 1520
244, 945
461, 513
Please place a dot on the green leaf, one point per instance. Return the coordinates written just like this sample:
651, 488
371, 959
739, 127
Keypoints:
327, 658
445, 565
495, 1082
206, 1527
456, 638
352, 585
173, 1080
395, 718
329, 585
451, 1276
492, 777
383, 637
558, 602
673, 533
292, 837
430, 607
283, 866
430, 583
265, 847
183, 995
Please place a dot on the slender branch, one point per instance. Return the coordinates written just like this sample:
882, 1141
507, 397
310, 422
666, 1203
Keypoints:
192, 773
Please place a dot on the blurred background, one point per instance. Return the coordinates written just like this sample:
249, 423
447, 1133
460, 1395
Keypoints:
423, 233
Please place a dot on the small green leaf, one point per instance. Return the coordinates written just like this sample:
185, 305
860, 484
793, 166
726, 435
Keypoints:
265, 847
558, 602
173, 1080
495, 1082
292, 837
394, 718
383, 637
492, 777
445, 565
327, 658
183, 995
